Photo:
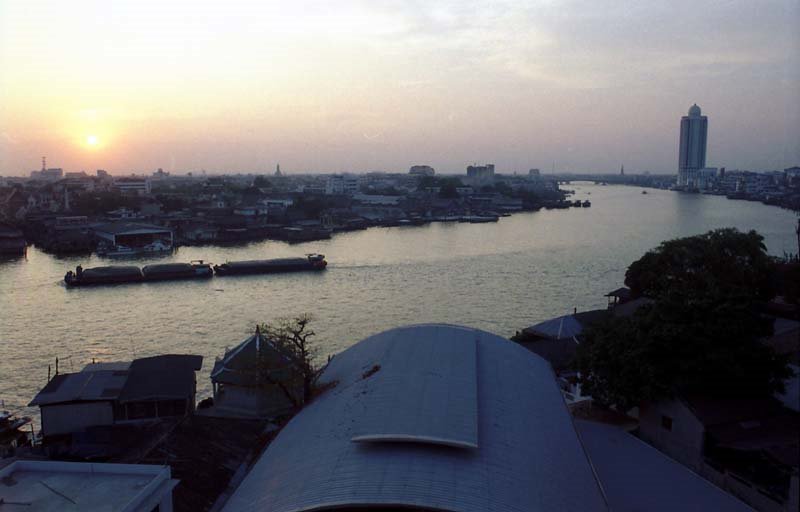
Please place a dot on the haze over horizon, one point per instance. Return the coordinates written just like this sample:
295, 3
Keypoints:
355, 86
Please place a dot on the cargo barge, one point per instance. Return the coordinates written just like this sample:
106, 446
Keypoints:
197, 269
118, 274
310, 262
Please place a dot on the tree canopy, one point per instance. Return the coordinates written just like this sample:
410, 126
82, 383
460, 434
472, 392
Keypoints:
700, 335
723, 262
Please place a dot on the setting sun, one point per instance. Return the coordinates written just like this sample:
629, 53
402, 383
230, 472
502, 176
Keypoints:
92, 140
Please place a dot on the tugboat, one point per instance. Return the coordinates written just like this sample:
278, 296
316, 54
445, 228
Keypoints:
310, 262
11, 437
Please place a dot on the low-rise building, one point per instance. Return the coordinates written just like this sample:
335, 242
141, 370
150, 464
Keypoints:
749, 447
105, 394
342, 184
86, 487
133, 186
255, 379
133, 236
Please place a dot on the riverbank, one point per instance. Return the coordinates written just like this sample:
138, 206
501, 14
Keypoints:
496, 276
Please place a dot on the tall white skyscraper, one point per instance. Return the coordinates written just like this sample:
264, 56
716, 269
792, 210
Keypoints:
692, 154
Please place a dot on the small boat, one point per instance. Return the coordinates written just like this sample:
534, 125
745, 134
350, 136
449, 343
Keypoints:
310, 262
644, 191
587, 204
479, 219
11, 435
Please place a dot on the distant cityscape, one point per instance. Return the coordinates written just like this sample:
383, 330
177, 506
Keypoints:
76, 212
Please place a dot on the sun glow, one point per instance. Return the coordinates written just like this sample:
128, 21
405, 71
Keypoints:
92, 140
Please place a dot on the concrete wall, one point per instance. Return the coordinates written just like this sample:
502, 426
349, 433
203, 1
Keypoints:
684, 442
68, 418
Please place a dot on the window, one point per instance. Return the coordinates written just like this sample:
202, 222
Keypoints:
666, 423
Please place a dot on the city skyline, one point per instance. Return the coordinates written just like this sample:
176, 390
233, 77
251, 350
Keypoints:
356, 87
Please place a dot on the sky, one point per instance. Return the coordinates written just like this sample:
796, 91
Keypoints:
380, 85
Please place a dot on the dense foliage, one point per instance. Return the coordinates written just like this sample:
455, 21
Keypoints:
701, 332
724, 263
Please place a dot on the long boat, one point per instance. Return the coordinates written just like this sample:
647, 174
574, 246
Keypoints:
310, 262
118, 274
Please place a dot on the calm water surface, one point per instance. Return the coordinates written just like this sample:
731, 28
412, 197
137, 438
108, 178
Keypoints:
499, 277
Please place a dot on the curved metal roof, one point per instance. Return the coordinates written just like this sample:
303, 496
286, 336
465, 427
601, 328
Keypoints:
455, 419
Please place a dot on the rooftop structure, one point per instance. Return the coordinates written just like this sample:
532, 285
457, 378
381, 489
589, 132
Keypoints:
50, 486
428, 417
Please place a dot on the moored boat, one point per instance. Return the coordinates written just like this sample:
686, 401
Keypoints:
310, 262
478, 219
11, 434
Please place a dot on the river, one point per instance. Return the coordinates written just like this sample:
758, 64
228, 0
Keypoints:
499, 277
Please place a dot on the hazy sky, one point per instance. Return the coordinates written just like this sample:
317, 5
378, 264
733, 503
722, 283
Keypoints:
380, 85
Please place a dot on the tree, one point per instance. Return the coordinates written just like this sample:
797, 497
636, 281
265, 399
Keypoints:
723, 262
291, 337
702, 333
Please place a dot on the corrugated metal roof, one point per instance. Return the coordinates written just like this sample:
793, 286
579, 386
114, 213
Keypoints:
169, 376
149, 378
83, 386
636, 476
528, 456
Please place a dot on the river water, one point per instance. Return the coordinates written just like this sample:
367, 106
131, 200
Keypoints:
499, 277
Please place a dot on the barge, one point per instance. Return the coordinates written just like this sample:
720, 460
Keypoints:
119, 274
310, 262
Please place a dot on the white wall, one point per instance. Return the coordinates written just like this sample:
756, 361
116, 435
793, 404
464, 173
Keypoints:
684, 442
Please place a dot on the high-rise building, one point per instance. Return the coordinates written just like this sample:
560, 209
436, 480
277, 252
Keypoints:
692, 153
480, 173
